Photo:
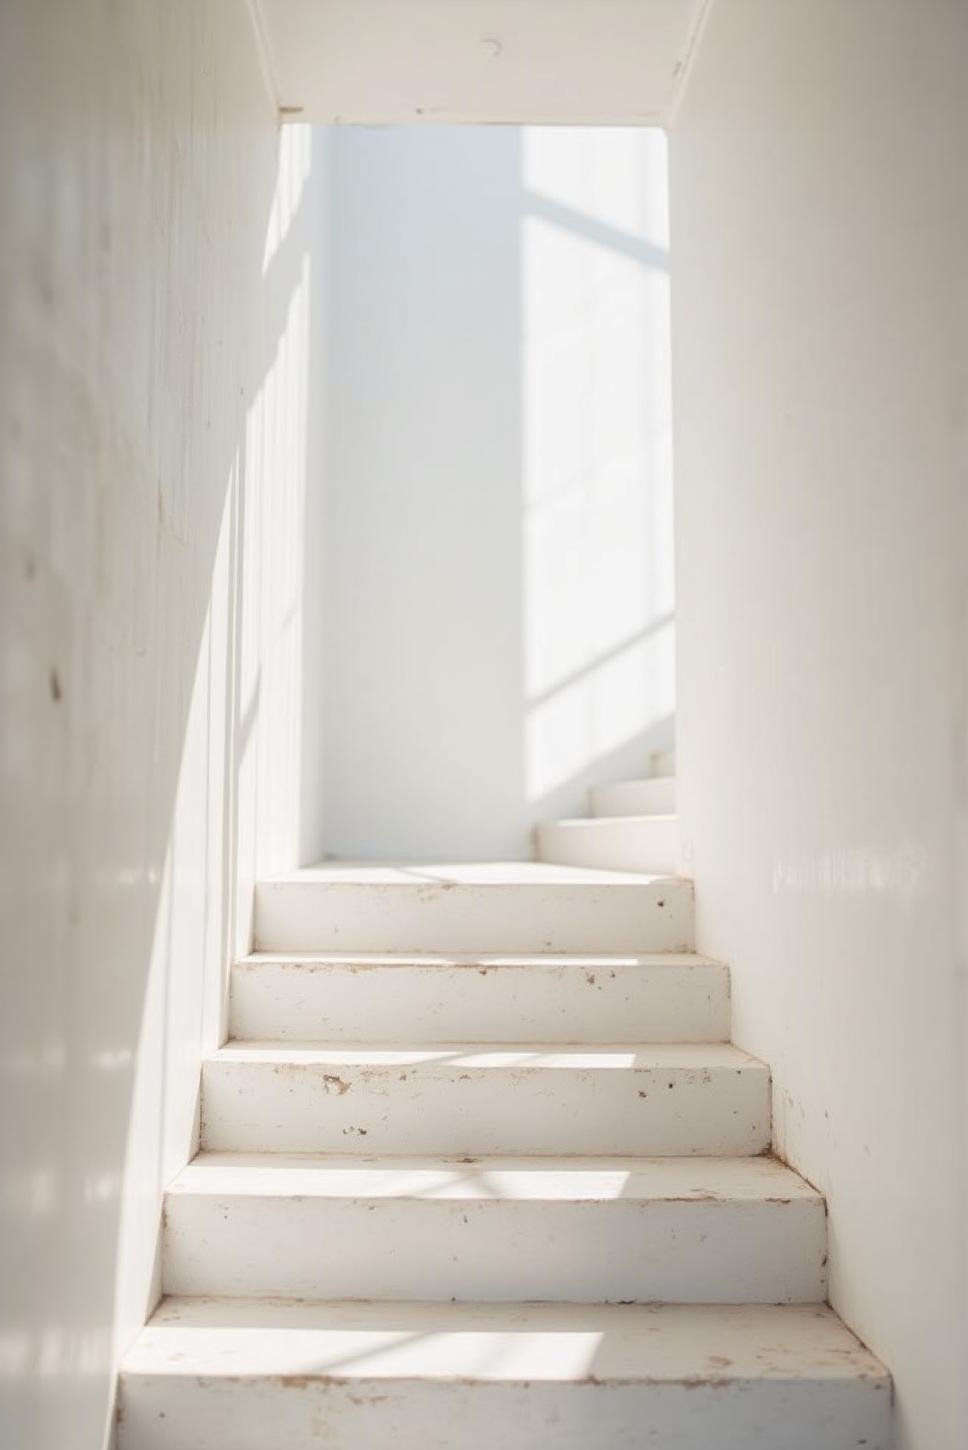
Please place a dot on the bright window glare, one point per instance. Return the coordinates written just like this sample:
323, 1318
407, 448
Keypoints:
614, 175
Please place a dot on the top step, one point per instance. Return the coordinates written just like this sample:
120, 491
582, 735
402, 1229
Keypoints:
517, 906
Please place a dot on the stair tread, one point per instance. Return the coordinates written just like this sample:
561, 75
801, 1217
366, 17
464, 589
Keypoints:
606, 823
540, 961
690, 1056
427, 876
497, 1343
552, 1179
635, 780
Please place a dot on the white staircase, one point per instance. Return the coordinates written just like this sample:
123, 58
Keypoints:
632, 826
479, 1167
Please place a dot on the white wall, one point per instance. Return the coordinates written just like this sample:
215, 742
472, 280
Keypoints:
820, 238
498, 527
158, 289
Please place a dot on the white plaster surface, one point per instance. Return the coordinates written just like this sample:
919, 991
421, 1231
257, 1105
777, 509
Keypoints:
820, 219
155, 329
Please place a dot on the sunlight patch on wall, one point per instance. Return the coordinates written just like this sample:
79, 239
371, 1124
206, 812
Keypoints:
596, 416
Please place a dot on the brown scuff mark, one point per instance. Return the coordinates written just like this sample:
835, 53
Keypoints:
336, 1084
56, 692
294, 1381
590, 978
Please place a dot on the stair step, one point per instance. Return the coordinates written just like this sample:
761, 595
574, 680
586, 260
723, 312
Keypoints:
658, 1100
635, 797
614, 843
517, 906
721, 1230
662, 762
579, 999
236, 1374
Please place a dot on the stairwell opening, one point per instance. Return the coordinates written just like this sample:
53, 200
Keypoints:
498, 619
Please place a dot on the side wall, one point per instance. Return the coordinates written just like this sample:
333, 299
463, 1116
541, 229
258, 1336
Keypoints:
156, 324
498, 510
820, 235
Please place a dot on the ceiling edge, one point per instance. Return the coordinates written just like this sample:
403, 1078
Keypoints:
264, 51
687, 59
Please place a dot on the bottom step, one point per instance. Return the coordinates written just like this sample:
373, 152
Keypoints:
237, 1374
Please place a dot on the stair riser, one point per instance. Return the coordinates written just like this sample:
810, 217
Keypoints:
634, 798
301, 1413
574, 1003
306, 916
292, 1107
620, 844
492, 1250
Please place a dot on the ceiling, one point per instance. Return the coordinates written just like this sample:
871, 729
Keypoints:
557, 61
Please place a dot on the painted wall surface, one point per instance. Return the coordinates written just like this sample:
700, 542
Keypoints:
156, 325
498, 525
820, 233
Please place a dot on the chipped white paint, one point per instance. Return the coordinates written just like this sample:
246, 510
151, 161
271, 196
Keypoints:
616, 843
481, 1176
487, 998
498, 907
719, 1230
656, 1099
217, 1373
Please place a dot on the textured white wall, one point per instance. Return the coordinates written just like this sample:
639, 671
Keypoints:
498, 529
157, 295
820, 280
